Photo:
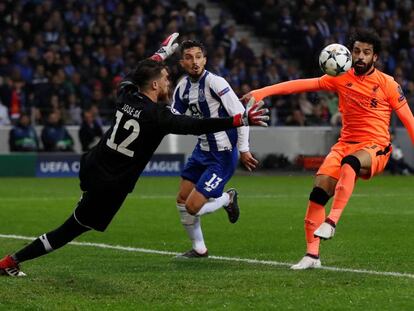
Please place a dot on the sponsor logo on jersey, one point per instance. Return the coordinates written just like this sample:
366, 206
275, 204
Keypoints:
195, 111
360, 100
223, 91
374, 103
201, 96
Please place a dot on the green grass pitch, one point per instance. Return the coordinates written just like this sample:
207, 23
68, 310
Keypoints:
376, 233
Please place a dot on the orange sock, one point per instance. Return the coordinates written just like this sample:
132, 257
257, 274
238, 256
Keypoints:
315, 215
343, 192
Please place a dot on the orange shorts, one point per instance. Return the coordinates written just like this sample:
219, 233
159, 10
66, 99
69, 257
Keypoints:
331, 166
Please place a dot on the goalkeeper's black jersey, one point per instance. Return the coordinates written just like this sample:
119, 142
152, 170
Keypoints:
136, 131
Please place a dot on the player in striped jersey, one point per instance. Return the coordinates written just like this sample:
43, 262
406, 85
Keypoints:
214, 159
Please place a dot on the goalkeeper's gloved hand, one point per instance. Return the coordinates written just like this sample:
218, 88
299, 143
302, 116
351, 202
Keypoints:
254, 114
167, 48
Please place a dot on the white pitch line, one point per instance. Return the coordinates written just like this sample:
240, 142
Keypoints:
231, 259
163, 196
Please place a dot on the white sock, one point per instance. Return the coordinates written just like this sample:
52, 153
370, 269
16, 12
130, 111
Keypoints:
192, 224
214, 204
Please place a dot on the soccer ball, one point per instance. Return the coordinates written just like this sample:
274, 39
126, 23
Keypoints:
335, 59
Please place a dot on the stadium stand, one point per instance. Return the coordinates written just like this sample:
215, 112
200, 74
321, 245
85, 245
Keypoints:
68, 56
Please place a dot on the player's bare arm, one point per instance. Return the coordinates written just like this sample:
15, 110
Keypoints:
255, 114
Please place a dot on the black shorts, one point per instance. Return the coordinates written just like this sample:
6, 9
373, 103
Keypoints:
96, 209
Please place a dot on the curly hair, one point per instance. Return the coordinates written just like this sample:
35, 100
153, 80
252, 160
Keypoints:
366, 36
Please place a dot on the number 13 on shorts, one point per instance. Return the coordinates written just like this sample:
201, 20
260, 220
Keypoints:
212, 183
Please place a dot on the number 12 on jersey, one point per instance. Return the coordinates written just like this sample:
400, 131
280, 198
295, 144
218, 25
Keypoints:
122, 147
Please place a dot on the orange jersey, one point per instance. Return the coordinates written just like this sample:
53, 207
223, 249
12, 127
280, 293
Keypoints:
366, 103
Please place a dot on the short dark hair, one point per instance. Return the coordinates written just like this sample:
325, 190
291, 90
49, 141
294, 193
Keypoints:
366, 36
146, 71
188, 44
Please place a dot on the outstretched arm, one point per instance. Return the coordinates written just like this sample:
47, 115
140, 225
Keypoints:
285, 88
255, 114
406, 116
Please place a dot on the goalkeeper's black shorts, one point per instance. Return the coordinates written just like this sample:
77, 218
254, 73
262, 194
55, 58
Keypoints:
96, 209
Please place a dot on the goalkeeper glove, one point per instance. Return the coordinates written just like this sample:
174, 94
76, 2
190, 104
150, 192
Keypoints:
254, 114
167, 48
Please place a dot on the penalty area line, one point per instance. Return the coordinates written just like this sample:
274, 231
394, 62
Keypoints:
230, 259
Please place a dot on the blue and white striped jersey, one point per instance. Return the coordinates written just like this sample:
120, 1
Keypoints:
211, 97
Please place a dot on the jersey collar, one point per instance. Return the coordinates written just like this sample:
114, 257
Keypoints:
371, 71
145, 98
364, 75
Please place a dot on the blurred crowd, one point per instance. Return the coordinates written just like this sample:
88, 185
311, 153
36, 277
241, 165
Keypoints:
65, 58
300, 29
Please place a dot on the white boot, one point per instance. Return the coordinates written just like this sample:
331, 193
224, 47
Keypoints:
325, 231
307, 262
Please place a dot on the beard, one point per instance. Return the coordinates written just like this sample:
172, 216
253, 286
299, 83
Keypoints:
362, 68
194, 75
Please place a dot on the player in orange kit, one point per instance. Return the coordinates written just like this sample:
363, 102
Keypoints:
367, 97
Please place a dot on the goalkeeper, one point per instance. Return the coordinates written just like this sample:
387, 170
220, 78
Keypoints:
110, 170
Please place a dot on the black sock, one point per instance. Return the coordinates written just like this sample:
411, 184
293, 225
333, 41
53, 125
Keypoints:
53, 239
33, 250
312, 256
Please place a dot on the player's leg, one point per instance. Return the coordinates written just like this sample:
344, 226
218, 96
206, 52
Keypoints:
198, 204
195, 203
95, 210
351, 167
208, 195
202, 191
323, 190
190, 175
191, 223
44, 244
315, 215
371, 159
